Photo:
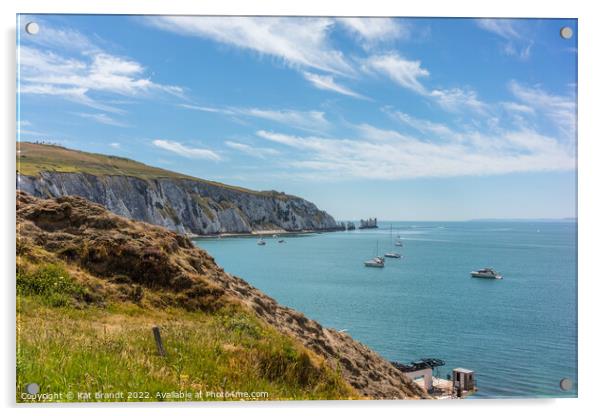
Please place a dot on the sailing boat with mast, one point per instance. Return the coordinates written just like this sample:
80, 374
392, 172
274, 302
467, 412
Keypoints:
377, 261
392, 254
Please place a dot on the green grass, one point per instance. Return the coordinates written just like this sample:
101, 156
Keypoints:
82, 347
50, 283
34, 158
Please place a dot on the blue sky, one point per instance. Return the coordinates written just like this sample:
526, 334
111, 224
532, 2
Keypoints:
408, 119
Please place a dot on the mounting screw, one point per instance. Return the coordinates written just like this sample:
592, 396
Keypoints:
566, 32
566, 384
32, 388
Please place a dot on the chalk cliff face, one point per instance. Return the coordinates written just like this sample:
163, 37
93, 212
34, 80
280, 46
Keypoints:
183, 205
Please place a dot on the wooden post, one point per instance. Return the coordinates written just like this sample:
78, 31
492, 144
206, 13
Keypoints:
158, 341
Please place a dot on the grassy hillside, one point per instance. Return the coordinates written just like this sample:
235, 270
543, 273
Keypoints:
33, 158
90, 287
66, 345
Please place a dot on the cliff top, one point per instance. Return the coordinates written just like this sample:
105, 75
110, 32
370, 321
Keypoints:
34, 158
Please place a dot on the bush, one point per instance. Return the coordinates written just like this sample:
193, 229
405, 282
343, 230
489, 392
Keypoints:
52, 282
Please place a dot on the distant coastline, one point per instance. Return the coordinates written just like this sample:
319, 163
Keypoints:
567, 219
260, 233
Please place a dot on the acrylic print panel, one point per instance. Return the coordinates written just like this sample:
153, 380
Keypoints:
276, 208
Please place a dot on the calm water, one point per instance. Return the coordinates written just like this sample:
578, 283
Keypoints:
519, 334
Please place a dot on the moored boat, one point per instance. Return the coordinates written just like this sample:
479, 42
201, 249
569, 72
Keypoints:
486, 273
375, 262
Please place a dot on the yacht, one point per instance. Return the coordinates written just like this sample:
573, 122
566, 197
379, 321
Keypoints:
486, 273
378, 261
393, 254
261, 242
375, 262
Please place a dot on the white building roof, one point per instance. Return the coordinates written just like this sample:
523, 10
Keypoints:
462, 370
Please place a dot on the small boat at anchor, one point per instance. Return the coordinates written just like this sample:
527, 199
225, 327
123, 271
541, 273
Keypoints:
486, 273
261, 242
393, 254
375, 262
378, 261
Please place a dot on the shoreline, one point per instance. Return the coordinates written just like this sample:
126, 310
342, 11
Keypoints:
260, 233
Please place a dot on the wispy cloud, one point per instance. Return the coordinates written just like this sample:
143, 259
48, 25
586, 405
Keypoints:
403, 72
297, 42
115, 145
559, 110
395, 156
419, 124
516, 43
458, 100
501, 27
64, 38
305, 120
46, 70
372, 31
517, 107
259, 152
186, 151
103, 119
24, 128
327, 82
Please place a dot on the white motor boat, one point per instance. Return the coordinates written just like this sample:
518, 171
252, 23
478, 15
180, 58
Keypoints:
486, 273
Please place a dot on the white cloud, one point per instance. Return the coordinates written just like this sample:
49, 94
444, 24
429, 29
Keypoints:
517, 107
115, 145
185, 151
422, 125
404, 72
103, 119
299, 42
60, 38
457, 100
206, 109
327, 82
259, 152
516, 42
309, 119
306, 120
78, 79
559, 110
374, 30
501, 27
389, 155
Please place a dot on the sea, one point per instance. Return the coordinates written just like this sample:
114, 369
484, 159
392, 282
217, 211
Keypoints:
518, 334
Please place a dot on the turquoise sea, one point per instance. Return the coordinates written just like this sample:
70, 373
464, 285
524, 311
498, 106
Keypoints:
519, 334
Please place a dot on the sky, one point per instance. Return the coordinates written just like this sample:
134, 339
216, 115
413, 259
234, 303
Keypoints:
398, 118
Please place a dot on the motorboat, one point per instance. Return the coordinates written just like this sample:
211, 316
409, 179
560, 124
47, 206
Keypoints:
486, 273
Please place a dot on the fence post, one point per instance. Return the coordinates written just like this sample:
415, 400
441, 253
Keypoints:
158, 341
